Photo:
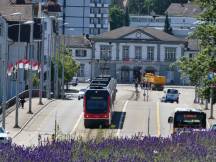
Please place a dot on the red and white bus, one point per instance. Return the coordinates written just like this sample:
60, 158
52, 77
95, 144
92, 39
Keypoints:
99, 101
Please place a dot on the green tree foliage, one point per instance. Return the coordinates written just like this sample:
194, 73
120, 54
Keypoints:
167, 26
126, 17
117, 17
70, 65
35, 80
143, 7
204, 63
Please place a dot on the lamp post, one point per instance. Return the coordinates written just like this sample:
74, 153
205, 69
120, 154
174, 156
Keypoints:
50, 45
4, 64
63, 93
63, 70
30, 71
42, 62
17, 74
213, 86
211, 103
91, 62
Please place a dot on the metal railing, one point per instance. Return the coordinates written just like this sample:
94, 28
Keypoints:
12, 101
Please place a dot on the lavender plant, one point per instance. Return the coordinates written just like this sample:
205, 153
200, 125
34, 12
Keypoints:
194, 146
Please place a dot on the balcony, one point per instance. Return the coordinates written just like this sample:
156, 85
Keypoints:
105, 26
98, 15
92, 4
106, 5
105, 15
99, 5
92, 15
98, 25
91, 25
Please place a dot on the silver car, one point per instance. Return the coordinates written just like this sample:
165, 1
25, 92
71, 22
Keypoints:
81, 93
4, 138
171, 95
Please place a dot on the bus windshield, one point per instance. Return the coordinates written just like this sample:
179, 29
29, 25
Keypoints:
190, 120
96, 101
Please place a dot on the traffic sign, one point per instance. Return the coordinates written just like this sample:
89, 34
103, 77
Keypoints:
210, 76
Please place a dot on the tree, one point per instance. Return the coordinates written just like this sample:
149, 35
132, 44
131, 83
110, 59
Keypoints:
167, 26
147, 5
70, 65
117, 17
199, 68
126, 17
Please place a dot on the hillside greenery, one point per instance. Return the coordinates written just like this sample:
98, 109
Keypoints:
143, 7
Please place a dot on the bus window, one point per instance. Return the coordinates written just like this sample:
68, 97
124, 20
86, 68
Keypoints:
96, 101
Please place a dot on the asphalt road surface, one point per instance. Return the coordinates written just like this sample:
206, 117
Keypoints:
133, 115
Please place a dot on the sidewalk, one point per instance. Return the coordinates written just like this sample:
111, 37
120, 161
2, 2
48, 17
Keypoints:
23, 116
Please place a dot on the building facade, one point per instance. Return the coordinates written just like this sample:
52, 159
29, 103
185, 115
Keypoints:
126, 51
85, 16
183, 19
181, 25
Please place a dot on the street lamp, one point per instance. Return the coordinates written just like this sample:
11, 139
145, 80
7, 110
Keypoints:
17, 72
42, 61
62, 94
4, 64
30, 71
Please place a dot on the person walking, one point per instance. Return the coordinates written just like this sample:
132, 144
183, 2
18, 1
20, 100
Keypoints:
22, 101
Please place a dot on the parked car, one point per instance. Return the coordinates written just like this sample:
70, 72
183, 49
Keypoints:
74, 81
81, 93
4, 138
171, 95
213, 127
88, 80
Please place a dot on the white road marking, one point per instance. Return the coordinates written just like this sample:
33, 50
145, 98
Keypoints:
77, 123
121, 118
158, 119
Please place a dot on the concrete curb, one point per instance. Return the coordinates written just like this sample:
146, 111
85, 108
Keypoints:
21, 129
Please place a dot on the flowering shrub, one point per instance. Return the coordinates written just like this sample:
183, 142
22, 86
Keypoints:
196, 146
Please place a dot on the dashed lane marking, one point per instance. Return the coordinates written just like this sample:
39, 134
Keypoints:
158, 119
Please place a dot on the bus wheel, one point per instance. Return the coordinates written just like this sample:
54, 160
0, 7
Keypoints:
86, 124
106, 124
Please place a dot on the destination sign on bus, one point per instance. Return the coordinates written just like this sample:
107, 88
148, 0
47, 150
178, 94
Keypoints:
96, 97
190, 116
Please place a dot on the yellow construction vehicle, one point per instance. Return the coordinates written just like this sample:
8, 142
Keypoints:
155, 82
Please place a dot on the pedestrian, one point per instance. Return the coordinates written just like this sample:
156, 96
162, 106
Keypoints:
39, 140
22, 101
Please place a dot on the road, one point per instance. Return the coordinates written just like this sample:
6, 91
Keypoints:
132, 116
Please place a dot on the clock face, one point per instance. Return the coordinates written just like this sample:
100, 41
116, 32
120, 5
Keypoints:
138, 34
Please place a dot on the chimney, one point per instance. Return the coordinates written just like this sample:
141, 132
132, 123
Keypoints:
20, 1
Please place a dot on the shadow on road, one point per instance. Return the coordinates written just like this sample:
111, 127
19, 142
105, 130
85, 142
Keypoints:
118, 120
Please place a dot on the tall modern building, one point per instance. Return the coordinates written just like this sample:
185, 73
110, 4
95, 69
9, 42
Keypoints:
85, 16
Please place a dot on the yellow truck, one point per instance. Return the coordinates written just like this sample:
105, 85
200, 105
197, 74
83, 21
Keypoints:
155, 82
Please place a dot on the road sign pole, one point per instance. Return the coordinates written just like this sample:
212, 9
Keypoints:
206, 104
211, 104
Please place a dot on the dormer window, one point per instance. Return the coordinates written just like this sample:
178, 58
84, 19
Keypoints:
80, 53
